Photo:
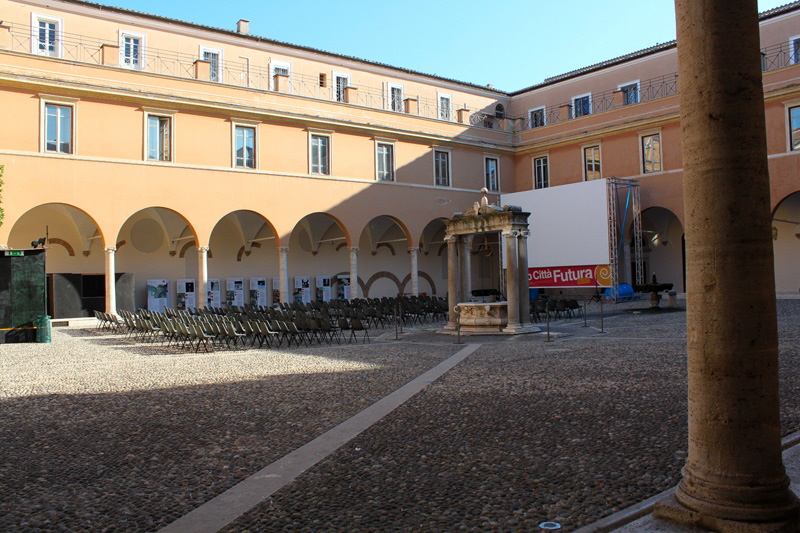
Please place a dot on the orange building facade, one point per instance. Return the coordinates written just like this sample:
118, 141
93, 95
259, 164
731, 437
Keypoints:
171, 151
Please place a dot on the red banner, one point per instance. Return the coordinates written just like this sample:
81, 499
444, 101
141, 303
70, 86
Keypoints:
570, 276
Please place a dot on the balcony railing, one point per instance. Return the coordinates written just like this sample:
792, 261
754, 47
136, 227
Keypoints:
245, 74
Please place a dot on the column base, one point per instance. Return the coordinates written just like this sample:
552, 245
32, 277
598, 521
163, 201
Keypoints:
674, 511
519, 329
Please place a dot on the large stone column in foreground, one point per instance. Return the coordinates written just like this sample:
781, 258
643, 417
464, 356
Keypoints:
734, 479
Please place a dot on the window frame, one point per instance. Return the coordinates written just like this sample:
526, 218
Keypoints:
58, 45
443, 113
543, 109
496, 159
789, 106
390, 98
449, 167
335, 76
623, 86
282, 64
218, 52
588, 96
642, 156
794, 56
584, 161
326, 134
390, 143
142, 49
59, 101
237, 123
541, 157
161, 114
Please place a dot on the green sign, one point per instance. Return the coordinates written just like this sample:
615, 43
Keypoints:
15, 253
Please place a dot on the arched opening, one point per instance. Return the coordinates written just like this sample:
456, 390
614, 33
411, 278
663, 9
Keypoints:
384, 257
663, 251
318, 250
158, 246
786, 243
243, 261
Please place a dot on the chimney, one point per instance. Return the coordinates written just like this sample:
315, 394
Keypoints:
243, 27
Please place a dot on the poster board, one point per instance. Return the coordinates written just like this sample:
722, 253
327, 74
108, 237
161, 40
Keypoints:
157, 295
302, 289
258, 292
276, 291
234, 292
214, 298
343, 288
323, 288
186, 297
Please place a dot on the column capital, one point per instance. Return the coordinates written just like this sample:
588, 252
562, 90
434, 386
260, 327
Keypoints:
524, 233
510, 233
413, 249
203, 249
283, 249
110, 249
451, 238
354, 249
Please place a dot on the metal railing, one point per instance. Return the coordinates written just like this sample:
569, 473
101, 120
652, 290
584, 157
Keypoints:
245, 74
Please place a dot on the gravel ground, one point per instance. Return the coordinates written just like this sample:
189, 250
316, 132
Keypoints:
100, 434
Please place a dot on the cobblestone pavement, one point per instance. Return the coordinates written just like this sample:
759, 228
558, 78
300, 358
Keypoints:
99, 433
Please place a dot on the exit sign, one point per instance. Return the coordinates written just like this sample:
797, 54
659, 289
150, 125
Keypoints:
15, 253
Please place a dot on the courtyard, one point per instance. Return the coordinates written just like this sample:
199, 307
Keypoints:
102, 433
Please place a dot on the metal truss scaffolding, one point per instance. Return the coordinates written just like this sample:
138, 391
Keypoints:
623, 206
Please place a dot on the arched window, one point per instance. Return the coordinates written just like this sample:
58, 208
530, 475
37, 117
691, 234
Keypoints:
500, 111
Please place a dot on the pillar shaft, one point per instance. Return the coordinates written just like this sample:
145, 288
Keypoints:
522, 267
512, 279
283, 273
734, 471
464, 245
111, 278
354, 292
626, 274
414, 253
202, 276
452, 280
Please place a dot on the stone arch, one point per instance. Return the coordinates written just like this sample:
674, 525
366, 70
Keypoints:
65, 244
424, 275
786, 243
381, 275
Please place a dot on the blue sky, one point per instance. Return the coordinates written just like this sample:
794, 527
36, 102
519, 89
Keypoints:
511, 44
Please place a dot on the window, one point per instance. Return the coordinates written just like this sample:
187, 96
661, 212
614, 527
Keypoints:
441, 168
651, 153
396, 98
445, 106
159, 138
491, 166
591, 163
282, 68
58, 128
794, 50
46, 35
630, 93
342, 82
582, 105
536, 118
541, 174
214, 58
385, 161
499, 111
794, 128
320, 154
244, 139
131, 50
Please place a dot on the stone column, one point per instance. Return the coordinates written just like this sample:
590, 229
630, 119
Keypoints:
202, 276
522, 267
512, 280
414, 252
111, 280
465, 284
734, 475
354, 292
283, 273
452, 280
